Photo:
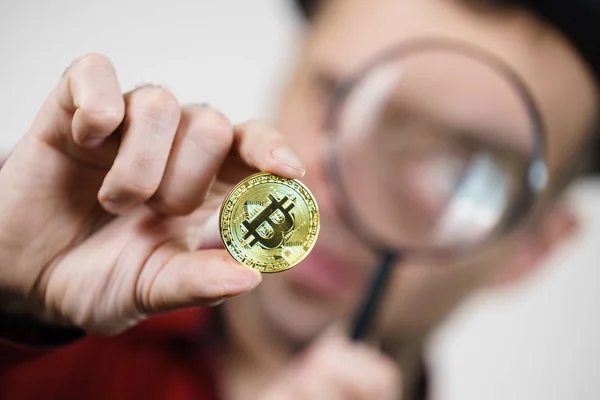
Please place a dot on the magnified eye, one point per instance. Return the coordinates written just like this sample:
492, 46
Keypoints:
433, 150
431, 180
443, 185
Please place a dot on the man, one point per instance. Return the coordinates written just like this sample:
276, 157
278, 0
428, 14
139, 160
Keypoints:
102, 199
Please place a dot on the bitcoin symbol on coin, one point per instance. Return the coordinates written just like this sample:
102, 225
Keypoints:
268, 228
269, 223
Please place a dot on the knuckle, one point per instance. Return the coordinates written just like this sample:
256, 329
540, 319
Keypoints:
214, 130
133, 186
157, 103
215, 118
92, 62
142, 161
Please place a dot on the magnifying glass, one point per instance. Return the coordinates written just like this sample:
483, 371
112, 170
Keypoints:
435, 149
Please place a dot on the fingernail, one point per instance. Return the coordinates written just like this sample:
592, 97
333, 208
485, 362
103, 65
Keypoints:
241, 278
288, 157
118, 205
91, 143
215, 303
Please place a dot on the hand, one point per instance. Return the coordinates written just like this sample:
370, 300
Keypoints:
337, 369
103, 201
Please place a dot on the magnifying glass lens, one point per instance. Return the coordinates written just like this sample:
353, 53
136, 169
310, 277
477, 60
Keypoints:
433, 149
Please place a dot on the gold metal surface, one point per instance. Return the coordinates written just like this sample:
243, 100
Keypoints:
269, 223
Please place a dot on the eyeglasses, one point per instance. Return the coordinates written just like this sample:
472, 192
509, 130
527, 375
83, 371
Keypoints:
435, 150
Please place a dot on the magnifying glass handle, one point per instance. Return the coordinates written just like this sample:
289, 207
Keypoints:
370, 304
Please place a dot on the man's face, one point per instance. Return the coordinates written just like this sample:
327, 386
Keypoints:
328, 285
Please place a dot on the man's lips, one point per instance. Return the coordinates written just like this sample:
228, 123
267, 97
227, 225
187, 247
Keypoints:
326, 275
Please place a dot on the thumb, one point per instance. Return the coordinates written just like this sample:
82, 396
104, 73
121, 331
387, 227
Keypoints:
199, 278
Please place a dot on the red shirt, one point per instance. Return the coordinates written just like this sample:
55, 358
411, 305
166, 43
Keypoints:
166, 357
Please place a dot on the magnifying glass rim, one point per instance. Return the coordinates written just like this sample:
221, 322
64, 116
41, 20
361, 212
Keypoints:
522, 205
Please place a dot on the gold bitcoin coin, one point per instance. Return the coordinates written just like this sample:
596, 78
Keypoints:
269, 223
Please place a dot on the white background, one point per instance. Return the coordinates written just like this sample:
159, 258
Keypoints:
535, 341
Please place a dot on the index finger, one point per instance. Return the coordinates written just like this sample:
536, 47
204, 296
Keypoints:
260, 147
88, 93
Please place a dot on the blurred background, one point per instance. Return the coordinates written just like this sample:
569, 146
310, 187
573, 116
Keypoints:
537, 340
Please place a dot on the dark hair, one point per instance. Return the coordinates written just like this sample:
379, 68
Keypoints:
579, 20
308, 7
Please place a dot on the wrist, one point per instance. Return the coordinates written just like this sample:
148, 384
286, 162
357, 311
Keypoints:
22, 323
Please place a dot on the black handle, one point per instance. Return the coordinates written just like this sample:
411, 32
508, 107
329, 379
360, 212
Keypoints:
370, 304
